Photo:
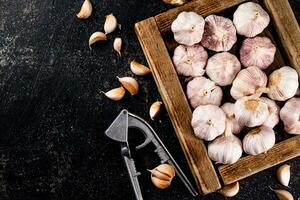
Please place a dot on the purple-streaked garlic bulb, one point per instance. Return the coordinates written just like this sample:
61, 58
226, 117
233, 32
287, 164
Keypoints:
202, 91
219, 33
290, 115
274, 109
258, 51
188, 28
250, 19
228, 108
208, 122
190, 60
222, 68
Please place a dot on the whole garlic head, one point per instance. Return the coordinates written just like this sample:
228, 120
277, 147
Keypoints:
202, 91
188, 28
290, 115
274, 109
248, 81
228, 108
190, 60
259, 140
219, 33
283, 83
250, 19
258, 51
208, 122
222, 68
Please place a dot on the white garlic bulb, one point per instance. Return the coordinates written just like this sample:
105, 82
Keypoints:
228, 108
290, 115
222, 68
188, 28
251, 111
259, 140
202, 91
249, 81
208, 122
273, 108
283, 83
190, 60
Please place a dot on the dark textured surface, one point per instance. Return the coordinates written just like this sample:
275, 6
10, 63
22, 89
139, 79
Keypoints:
52, 117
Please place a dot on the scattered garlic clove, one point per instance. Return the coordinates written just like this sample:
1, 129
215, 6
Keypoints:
208, 122
162, 175
230, 190
190, 60
110, 23
290, 115
138, 68
155, 109
273, 118
175, 2
95, 37
202, 91
188, 28
86, 10
115, 94
250, 19
248, 81
228, 108
118, 45
222, 68
283, 195
283, 174
259, 140
130, 84
283, 83
219, 33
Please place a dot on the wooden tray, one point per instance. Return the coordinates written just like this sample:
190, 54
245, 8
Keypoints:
151, 33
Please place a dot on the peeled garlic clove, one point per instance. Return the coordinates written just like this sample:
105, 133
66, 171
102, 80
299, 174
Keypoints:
274, 109
219, 33
138, 68
110, 23
290, 115
259, 140
115, 94
129, 84
283, 195
175, 2
95, 37
188, 28
208, 122
86, 10
155, 109
222, 68
202, 91
230, 190
250, 19
118, 45
248, 81
228, 108
162, 176
284, 174
190, 60
283, 83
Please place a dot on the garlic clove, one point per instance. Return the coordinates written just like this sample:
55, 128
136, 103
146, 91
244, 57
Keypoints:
283, 83
190, 60
115, 94
290, 115
222, 68
110, 23
273, 118
155, 109
250, 19
283, 195
95, 37
86, 10
188, 28
202, 91
130, 84
175, 2
284, 174
162, 175
118, 45
139, 69
230, 190
228, 108
219, 33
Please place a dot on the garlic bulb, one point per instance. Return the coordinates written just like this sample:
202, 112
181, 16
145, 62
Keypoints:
248, 81
188, 28
138, 68
226, 149
95, 37
202, 91
208, 122
290, 115
130, 84
250, 19
110, 23
219, 33
118, 45
230, 190
258, 51
85, 10
115, 94
273, 108
251, 111
283, 83
162, 175
228, 108
283, 174
259, 140
190, 60
222, 68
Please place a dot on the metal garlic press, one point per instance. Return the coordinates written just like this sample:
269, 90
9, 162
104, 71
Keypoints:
118, 131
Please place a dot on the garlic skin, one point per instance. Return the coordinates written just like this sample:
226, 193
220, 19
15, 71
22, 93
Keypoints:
222, 68
273, 118
208, 122
250, 19
85, 10
283, 174
110, 23
283, 83
115, 94
155, 109
258, 51
139, 69
290, 115
188, 28
118, 45
219, 33
259, 140
175, 2
249, 81
283, 195
228, 108
190, 60
230, 190
162, 175
130, 84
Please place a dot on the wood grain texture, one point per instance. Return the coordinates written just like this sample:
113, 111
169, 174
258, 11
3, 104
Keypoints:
176, 104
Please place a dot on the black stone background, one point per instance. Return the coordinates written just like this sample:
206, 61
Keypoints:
53, 118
